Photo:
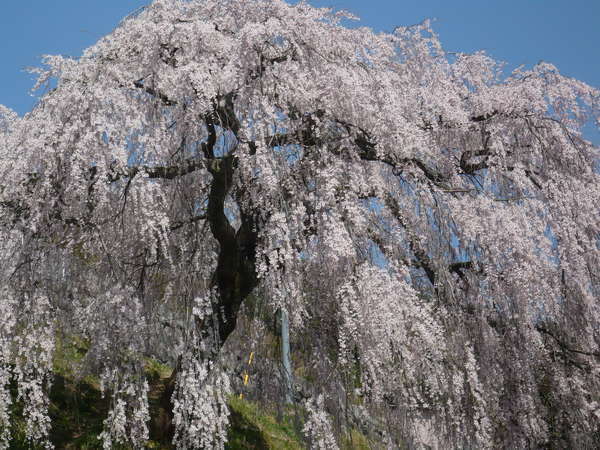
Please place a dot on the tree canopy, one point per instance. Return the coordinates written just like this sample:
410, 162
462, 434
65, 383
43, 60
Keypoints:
429, 221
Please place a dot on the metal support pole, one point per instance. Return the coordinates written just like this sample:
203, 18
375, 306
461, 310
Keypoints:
285, 355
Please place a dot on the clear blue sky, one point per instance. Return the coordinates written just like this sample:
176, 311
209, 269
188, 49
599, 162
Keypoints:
563, 32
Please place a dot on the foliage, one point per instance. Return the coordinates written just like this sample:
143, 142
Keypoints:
429, 223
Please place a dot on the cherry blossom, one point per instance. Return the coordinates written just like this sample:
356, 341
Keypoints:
430, 224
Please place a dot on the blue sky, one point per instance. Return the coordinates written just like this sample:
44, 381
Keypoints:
565, 33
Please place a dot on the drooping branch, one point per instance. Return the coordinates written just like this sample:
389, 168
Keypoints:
414, 241
423, 260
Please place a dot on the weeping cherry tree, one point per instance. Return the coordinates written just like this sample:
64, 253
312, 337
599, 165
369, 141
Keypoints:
428, 221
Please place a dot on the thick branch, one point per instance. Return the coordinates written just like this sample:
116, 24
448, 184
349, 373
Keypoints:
363, 141
154, 93
470, 167
179, 224
165, 172
563, 345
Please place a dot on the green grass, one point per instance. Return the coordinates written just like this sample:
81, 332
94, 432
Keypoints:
355, 441
253, 429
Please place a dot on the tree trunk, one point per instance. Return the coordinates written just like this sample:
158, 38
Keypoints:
234, 277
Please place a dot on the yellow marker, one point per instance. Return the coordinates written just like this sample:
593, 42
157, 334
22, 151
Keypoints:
246, 379
241, 396
250, 359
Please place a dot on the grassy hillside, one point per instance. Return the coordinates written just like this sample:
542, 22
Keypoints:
77, 410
